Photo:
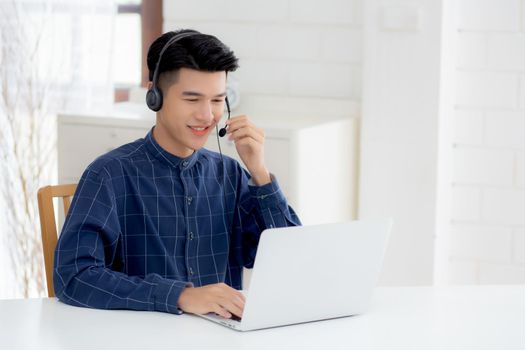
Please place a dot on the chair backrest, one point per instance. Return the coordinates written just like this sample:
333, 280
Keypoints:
48, 224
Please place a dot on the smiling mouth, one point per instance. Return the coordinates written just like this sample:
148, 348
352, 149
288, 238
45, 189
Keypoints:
198, 128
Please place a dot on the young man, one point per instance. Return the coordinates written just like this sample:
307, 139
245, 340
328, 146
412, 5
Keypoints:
161, 223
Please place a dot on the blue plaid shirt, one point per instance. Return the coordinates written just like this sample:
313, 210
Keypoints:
144, 224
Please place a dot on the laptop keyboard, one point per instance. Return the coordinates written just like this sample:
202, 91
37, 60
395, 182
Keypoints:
235, 318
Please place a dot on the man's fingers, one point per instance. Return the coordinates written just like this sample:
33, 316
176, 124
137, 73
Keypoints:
233, 301
246, 141
237, 119
227, 307
239, 301
219, 310
246, 132
244, 122
228, 301
241, 298
231, 307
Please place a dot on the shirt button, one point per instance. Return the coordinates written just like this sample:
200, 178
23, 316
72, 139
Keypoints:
191, 236
191, 271
185, 163
189, 200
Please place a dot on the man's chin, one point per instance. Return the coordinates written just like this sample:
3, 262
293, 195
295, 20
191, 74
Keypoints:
197, 143
196, 146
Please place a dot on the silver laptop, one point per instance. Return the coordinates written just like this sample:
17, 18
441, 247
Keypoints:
311, 273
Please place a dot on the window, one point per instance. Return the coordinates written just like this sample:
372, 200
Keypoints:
137, 24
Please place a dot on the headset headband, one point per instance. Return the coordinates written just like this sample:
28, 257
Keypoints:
154, 95
170, 42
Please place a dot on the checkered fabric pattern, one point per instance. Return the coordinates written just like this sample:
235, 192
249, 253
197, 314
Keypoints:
144, 224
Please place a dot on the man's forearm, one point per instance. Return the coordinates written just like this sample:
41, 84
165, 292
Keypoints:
103, 288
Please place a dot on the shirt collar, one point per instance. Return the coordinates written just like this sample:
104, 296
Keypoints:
166, 157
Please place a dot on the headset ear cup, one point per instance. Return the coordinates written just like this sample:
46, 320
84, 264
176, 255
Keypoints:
154, 99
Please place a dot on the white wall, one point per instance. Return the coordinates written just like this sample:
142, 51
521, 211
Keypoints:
399, 135
441, 84
296, 56
488, 191
451, 172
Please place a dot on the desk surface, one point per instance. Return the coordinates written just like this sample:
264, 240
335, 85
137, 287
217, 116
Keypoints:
474, 317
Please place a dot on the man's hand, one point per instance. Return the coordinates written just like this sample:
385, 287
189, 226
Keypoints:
249, 142
219, 298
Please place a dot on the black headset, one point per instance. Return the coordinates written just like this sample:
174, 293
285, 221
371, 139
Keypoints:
154, 95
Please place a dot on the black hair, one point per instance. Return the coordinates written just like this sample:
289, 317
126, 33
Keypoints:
201, 52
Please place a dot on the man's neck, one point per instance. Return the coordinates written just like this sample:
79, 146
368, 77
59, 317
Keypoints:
165, 141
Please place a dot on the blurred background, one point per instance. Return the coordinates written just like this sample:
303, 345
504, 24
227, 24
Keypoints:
410, 109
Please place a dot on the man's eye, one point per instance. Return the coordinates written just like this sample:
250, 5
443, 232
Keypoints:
191, 100
218, 101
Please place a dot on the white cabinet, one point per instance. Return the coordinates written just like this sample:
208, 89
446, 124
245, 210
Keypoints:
314, 160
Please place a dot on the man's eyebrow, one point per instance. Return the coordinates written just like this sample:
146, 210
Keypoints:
198, 94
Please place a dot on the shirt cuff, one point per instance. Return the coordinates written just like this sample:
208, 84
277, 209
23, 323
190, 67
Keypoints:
269, 195
166, 295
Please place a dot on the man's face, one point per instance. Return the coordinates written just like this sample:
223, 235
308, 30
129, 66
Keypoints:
191, 108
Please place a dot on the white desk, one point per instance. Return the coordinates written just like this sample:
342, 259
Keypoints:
488, 317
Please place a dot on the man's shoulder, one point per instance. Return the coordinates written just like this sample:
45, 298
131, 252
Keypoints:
115, 157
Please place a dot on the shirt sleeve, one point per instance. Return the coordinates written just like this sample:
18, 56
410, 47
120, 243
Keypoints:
261, 207
86, 267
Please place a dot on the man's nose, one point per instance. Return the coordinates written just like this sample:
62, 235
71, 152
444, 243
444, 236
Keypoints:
205, 112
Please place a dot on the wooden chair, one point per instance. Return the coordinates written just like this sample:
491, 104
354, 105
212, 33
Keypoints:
48, 224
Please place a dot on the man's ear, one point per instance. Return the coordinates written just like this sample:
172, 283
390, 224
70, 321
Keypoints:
150, 84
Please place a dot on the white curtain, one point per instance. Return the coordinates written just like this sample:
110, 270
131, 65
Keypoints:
54, 56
